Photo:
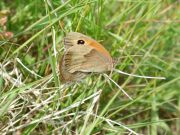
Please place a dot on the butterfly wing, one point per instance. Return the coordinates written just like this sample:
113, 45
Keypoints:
85, 59
71, 39
66, 76
80, 58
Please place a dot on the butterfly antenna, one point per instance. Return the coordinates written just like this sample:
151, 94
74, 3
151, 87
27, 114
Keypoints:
150, 77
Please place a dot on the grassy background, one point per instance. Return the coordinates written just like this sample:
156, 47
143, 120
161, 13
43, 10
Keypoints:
142, 35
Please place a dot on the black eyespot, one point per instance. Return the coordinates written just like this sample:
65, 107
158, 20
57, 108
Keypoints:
80, 42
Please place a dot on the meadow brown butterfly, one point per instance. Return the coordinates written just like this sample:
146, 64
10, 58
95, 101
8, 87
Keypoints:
83, 55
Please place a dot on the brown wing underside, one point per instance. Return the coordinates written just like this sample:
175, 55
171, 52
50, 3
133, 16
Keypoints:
79, 60
66, 76
85, 59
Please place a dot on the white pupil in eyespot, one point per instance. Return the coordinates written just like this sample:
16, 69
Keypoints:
80, 42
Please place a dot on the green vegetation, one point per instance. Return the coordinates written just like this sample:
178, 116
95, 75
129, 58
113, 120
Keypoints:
141, 35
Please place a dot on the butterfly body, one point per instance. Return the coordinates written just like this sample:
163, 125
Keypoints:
83, 55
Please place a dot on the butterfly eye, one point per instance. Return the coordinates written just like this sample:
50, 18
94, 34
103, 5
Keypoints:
80, 42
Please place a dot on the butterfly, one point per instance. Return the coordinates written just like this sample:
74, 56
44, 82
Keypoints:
82, 56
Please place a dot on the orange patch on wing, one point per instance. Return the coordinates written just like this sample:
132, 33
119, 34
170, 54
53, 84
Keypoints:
98, 47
